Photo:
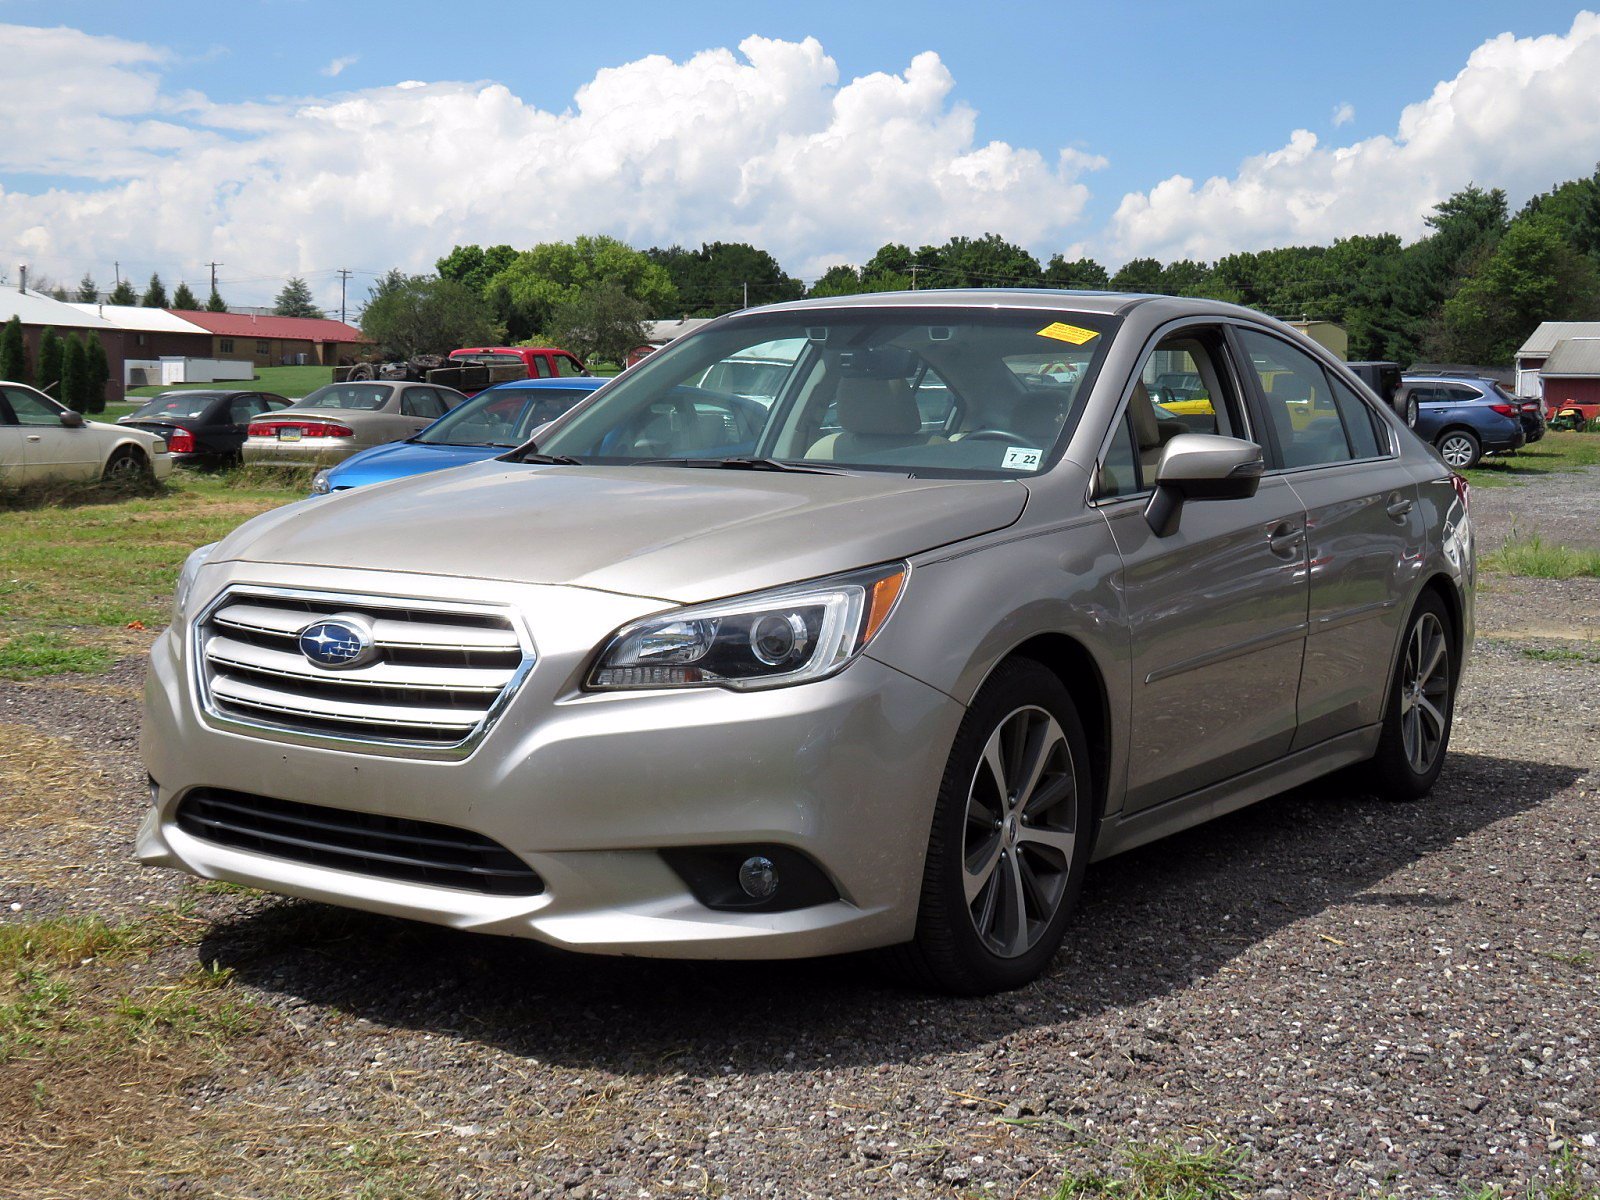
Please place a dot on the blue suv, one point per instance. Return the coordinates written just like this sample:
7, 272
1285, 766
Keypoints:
1463, 417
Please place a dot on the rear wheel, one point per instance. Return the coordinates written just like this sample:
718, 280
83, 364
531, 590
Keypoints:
1010, 840
1420, 707
1459, 449
1411, 411
126, 466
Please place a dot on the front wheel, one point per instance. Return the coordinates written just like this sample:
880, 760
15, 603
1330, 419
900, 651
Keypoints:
1460, 450
126, 467
1010, 840
1419, 709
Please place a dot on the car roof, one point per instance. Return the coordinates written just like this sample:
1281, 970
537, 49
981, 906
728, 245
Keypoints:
1409, 378
589, 382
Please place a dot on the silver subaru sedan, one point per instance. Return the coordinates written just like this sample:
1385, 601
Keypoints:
886, 658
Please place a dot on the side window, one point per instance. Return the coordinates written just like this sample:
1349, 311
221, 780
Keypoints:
1299, 402
567, 367
1119, 470
30, 410
1359, 424
242, 408
541, 368
421, 402
1193, 363
1456, 394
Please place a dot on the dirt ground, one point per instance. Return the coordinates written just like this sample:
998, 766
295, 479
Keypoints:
1323, 995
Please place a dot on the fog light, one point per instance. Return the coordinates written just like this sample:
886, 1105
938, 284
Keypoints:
758, 877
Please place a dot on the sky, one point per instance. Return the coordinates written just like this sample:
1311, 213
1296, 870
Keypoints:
295, 137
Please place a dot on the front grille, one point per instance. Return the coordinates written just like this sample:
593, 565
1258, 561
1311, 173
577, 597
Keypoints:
388, 847
438, 675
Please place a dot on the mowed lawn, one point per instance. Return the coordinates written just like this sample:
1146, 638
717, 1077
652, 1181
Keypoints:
87, 576
1556, 451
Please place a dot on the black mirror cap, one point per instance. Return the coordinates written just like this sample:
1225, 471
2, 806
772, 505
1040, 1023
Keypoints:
72, 420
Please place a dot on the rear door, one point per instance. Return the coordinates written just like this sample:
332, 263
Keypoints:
226, 431
422, 406
1365, 534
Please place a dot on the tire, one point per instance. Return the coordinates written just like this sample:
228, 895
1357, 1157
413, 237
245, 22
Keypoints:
997, 927
126, 466
1420, 708
1459, 449
1411, 412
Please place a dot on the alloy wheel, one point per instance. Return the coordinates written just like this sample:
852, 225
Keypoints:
1456, 450
1424, 693
123, 468
1020, 831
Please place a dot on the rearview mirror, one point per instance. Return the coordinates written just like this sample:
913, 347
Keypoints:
1202, 466
72, 420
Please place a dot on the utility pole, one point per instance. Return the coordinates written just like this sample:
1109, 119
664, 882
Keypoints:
116, 269
214, 267
747, 294
913, 277
344, 274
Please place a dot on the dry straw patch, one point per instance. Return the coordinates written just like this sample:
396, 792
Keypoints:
48, 789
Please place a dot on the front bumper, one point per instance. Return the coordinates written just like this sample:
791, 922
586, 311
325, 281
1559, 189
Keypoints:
588, 788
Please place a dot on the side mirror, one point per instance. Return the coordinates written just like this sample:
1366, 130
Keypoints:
1202, 466
72, 420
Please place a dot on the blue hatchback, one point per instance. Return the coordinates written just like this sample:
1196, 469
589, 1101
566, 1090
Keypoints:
492, 422
1464, 418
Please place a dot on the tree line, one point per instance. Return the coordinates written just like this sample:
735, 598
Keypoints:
72, 369
1470, 290
294, 300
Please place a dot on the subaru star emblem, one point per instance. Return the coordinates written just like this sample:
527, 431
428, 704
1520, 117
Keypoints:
344, 640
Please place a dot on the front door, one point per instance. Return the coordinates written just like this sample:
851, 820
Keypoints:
1217, 610
51, 451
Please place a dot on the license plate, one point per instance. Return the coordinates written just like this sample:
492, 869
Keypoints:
288, 435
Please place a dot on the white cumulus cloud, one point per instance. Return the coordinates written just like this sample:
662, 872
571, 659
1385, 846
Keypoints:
1343, 114
764, 144
1520, 115
337, 66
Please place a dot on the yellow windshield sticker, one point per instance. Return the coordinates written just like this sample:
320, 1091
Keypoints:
1075, 334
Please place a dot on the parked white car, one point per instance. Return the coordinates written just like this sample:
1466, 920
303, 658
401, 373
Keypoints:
42, 442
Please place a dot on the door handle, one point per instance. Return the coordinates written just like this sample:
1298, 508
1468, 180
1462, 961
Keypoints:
1285, 539
1398, 507
33, 437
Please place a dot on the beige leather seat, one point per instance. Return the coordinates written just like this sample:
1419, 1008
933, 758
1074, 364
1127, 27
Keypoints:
1147, 430
874, 415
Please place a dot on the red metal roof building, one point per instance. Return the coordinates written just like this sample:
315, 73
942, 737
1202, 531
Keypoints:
279, 341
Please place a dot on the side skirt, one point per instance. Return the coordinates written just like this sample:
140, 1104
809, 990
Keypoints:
1241, 791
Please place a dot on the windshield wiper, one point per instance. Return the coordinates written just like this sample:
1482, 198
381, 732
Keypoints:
557, 460
739, 463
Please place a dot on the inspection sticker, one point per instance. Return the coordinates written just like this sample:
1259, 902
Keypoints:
1021, 458
1075, 334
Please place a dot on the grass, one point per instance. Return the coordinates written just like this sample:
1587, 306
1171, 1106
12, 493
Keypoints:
285, 381
1545, 654
1532, 558
1164, 1171
85, 575
1557, 451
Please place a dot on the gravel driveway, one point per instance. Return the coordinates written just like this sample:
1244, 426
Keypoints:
1356, 998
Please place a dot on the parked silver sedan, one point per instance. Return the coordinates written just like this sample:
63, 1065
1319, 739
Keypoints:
334, 422
887, 662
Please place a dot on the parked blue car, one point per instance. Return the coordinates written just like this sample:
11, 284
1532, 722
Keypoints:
492, 422
1463, 418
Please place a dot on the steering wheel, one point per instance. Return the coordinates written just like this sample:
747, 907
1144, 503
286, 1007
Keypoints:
994, 435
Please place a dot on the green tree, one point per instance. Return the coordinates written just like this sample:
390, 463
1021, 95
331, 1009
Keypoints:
155, 296
842, 280
408, 315
123, 293
1573, 208
1185, 277
59, 292
13, 353
1532, 275
987, 261
88, 290
475, 266
183, 299
75, 377
722, 276
1083, 274
525, 294
99, 369
599, 324
295, 300
215, 302
1138, 275
48, 377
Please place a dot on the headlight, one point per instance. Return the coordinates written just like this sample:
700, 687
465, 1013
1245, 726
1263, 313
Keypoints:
768, 639
186, 578
320, 485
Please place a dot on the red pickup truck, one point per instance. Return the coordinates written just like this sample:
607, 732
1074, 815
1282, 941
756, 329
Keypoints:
541, 362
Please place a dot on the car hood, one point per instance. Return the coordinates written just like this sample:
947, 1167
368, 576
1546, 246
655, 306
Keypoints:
398, 460
681, 534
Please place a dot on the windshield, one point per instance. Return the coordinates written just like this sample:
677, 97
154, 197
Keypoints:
501, 417
976, 392
367, 396
178, 404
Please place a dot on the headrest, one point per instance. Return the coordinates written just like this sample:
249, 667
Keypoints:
881, 407
1145, 427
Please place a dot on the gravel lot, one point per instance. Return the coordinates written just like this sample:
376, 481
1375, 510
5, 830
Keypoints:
1358, 998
